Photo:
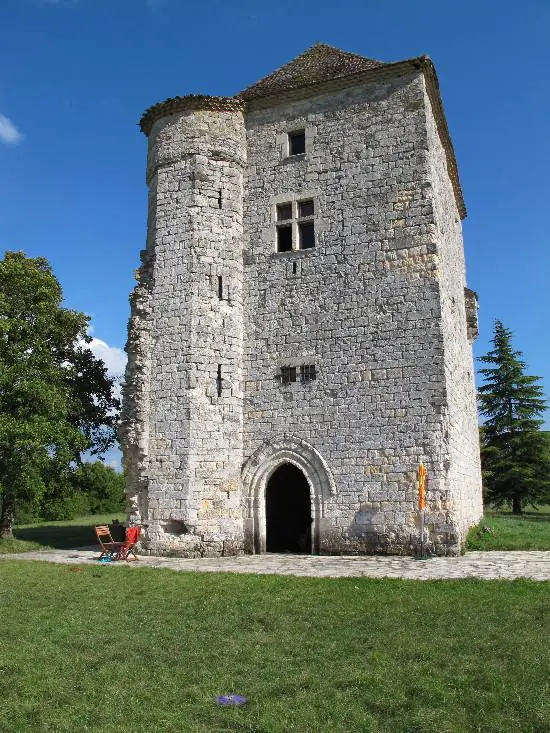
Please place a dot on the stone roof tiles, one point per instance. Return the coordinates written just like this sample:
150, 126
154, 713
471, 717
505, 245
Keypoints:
319, 63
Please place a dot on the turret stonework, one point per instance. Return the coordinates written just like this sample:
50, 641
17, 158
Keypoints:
301, 329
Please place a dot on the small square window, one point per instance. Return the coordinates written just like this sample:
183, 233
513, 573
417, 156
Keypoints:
308, 372
284, 238
297, 142
306, 235
284, 212
305, 208
288, 375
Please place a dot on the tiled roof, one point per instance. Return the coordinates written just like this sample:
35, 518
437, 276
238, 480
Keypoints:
319, 63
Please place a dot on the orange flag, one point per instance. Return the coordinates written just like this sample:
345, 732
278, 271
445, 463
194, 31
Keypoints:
422, 481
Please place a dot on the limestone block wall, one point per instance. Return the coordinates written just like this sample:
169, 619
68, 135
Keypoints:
462, 464
377, 306
183, 406
363, 305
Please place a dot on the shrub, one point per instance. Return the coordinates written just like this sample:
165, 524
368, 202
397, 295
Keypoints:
65, 507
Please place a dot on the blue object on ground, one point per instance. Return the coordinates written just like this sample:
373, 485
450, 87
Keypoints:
231, 700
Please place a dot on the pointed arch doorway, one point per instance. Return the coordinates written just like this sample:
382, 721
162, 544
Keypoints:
288, 511
261, 466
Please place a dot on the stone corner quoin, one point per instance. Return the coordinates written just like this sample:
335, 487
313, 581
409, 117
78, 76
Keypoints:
301, 330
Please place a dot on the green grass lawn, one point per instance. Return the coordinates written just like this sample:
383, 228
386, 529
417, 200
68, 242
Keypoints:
60, 535
530, 531
121, 650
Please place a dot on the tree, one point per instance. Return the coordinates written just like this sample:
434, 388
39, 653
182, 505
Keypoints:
102, 485
56, 399
514, 452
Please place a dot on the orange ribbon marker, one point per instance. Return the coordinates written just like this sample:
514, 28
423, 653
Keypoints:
422, 481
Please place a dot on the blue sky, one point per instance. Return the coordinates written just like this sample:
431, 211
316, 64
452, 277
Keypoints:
77, 74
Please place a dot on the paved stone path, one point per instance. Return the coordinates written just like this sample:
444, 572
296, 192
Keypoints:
484, 565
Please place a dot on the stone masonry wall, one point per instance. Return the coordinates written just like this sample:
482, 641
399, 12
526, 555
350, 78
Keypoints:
363, 306
377, 305
461, 432
190, 478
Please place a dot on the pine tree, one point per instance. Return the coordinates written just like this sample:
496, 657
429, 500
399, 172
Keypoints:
514, 454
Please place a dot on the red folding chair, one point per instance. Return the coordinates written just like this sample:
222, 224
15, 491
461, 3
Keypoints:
127, 548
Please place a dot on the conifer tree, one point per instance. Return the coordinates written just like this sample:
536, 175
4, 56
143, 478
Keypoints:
513, 448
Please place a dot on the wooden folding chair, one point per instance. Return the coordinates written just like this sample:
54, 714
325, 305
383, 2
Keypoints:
109, 548
127, 549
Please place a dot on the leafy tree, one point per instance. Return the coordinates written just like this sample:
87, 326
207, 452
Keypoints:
514, 452
102, 485
56, 399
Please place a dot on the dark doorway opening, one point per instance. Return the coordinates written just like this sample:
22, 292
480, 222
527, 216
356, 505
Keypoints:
288, 511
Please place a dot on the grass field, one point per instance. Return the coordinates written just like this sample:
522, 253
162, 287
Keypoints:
531, 531
60, 535
121, 650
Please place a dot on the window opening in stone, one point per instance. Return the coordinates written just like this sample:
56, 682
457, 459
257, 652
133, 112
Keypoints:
220, 287
284, 212
288, 374
297, 142
284, 238
305, 208
306, 235
219, 380
220, 199
308, 372
294, 268
288, 511
295, 225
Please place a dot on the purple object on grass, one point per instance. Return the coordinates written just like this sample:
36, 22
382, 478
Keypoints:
231, 700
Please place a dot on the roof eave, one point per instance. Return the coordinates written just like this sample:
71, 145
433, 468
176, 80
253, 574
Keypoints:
396, 68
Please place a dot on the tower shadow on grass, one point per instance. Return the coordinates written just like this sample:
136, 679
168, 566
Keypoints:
58, 537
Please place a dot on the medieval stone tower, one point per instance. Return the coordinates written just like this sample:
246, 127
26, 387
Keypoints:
301, 330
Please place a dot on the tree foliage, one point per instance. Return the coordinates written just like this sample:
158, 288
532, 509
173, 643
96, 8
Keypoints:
56, 399
103, 487
514, 451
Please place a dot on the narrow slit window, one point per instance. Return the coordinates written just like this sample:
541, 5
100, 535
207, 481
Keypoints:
220, 287
297, 142
294, 268
308, 372
220, 199
219, 380
288, 374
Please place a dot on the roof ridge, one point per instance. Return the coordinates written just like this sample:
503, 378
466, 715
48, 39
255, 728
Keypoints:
340, 50
319, 62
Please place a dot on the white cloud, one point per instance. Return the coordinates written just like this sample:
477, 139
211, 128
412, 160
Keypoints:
113, 357
8, 131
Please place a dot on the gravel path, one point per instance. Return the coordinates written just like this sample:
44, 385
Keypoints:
484, 565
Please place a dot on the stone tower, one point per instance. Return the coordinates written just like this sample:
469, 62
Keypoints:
301, 329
